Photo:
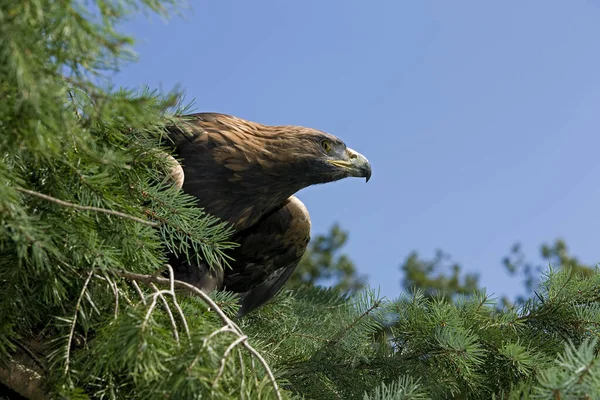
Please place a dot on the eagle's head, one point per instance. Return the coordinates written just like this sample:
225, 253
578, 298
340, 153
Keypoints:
239, 169
318, 157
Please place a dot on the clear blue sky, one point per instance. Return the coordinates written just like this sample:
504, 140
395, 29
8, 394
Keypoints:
481, 120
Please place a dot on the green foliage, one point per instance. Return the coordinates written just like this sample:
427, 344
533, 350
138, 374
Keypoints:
575, 375
323, 264
556, 255
405, 388
84, 197
87, 215
320, 339
435, 347
431, 276
440, 277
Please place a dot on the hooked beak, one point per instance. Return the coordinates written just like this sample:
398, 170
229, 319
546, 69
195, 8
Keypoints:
355, 163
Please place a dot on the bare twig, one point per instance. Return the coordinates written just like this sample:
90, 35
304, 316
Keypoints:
253, 367
72, 332
87, 208
224, 328
115, 290
139, 291
241, 358
169, 313
152, 306
224, 358
229, 324
161, 294
176, 303
182, 285
265, 366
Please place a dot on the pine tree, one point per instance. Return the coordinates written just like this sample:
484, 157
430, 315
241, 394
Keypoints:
436, 277
87, 215
89, 309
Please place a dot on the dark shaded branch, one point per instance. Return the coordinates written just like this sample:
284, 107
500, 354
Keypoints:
23, 379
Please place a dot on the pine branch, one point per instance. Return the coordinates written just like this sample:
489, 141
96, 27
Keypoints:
32, 356
237, 341
115, 290
349, 327
23, 379
160, 294
74, 322
86, 208
229, 325
139, 292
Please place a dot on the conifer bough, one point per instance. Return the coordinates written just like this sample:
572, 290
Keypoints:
83, 231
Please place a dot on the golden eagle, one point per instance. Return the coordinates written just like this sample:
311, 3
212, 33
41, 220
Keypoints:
246, 173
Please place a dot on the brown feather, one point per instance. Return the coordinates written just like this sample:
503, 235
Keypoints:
268, 253
233, 165
246, 174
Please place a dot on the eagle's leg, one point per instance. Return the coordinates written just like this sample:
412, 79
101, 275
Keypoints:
269, 252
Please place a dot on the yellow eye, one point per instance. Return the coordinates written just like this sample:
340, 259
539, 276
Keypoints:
326, 145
